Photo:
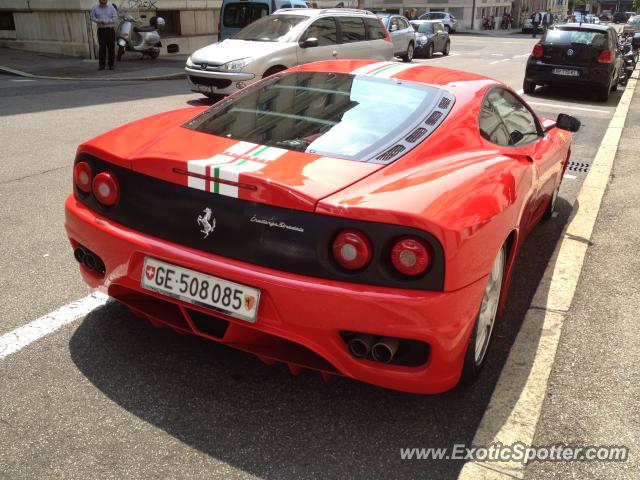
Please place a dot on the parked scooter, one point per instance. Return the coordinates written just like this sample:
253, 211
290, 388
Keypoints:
134, 37
629, 49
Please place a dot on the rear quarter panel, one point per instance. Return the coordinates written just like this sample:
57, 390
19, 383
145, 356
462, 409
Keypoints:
469, 195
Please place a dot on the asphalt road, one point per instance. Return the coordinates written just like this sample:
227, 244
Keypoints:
109, 396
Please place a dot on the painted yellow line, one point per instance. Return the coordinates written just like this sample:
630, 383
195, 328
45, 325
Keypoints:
515, 406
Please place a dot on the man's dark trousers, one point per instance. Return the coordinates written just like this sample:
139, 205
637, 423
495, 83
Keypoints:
106, 41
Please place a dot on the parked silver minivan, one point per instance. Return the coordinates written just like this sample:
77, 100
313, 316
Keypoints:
285, 39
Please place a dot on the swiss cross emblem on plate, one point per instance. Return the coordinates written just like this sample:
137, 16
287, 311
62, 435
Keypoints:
150, 272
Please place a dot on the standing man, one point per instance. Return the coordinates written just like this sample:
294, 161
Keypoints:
547, 21
105, 16
536, 18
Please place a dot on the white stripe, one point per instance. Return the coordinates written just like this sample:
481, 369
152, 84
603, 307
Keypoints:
21, 337
240, 148
522, 56
199, 167
271, 153
370, 67
555, 105
499, 61
520, 92
400, 67
570, 177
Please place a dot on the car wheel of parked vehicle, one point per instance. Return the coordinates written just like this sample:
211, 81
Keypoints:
407, 57
154, 54
120, 53
429, 51
603, 92
528, 87
447, 47
481, 337
273, 70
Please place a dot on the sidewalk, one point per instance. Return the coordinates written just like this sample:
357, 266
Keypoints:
131, 67
594, 386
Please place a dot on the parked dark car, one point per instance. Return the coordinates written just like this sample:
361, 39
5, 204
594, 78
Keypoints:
431, 37
576, 54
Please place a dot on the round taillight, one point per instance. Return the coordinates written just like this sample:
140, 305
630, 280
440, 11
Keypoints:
352, 249
82, 176
106, 189
538, 51
411, 256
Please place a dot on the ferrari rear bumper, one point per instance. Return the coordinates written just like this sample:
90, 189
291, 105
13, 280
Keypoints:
300, 319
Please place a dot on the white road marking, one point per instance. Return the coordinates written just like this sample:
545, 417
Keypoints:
498, 54
556, 105
520, 92
22, 336
22, 80
499, 61
570, 177
516, 404
521, 56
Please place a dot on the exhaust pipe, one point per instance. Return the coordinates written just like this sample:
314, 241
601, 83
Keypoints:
79, 254
360, 345
90, 261
385, 349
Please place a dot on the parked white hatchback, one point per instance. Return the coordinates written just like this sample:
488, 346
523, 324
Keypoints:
287, 38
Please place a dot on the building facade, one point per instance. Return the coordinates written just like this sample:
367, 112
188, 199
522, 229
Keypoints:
63, 26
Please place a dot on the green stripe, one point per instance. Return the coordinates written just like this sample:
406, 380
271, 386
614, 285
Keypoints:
241, 162
260, 150
383, 69
216, 175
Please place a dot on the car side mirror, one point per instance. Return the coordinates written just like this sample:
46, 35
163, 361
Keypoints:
567, 122
309, 42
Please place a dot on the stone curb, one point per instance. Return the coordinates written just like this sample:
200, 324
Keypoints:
19, 73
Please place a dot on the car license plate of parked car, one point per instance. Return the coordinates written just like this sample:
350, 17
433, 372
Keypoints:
201, 289
566, 72
205, 89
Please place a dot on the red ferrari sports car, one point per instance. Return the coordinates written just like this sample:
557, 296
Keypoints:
350, 217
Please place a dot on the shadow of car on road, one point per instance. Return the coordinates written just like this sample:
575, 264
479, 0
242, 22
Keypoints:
267, 423
579, 95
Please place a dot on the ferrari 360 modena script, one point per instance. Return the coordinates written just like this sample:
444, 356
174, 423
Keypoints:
350, 217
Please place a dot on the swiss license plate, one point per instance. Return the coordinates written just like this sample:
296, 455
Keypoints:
565, 72
201, 289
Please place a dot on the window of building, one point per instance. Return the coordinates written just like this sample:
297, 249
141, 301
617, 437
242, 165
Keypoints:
6, 21
172, 22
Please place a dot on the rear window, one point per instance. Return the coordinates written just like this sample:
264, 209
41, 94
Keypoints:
582, 37
376, 31
339, 115
423, 27
239, 15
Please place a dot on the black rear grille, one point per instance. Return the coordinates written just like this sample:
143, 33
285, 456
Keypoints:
169, 211
210, 82
392, 152
216, 327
